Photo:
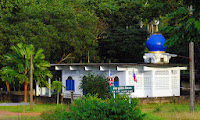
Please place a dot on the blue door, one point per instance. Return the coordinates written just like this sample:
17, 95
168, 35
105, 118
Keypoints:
70, 84
116, 81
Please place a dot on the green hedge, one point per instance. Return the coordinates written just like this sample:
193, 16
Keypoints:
93, 108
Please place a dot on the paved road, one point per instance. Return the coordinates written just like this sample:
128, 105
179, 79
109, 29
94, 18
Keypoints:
14, 104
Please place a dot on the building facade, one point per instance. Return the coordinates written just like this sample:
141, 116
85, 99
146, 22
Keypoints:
151, 80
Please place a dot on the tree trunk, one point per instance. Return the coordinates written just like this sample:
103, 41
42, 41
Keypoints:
8, 88
25, 91
57, 97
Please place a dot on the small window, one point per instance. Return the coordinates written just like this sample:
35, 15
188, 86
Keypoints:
70, 84
116, 81
161, 59
84, 79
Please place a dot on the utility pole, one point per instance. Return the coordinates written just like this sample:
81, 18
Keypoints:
31, 83
192, 72
192, 77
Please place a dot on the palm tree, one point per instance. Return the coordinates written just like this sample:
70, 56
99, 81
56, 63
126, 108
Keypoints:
8, 81
58, 85
18, 65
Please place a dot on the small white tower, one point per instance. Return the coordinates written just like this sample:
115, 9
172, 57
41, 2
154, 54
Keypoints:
156, 46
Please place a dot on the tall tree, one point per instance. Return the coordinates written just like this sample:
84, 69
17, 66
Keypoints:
182, 27
123, 45
17, 65
124, 39
56, 26
187, 29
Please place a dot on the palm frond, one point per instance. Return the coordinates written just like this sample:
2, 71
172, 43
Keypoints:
18, 63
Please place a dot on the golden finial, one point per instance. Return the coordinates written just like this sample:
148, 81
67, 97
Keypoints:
156, 22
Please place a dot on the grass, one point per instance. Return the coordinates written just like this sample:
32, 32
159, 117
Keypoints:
170, 111
37, 108
26, 108
152, 111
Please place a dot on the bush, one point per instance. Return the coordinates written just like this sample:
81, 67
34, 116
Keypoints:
93, 108
96, 84
59, 113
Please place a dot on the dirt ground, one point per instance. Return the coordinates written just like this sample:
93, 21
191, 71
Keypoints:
6, 113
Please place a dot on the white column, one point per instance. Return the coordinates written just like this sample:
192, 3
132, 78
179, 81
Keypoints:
170, 83
126, 78
153, 83
37, 89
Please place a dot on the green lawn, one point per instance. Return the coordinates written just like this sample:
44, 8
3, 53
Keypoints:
152, 111
26, 108
170, 111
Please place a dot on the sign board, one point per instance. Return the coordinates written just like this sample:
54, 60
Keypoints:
122, 89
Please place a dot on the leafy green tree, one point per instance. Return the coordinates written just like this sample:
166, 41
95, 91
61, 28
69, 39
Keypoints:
17, 65
123, 45
8, 81
58, 85
182, 28
123, 39
56, 26
154, 9
96, 84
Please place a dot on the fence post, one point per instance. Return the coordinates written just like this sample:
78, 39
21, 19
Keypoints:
72, 96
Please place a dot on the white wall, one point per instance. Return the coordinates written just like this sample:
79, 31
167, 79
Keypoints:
151, 81
77, 77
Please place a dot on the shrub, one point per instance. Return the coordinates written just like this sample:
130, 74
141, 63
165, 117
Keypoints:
96, 84
93, 108
59, 113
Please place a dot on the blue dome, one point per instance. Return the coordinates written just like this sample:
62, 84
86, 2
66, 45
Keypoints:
155, 43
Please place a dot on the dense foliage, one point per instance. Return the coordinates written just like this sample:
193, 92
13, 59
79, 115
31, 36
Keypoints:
17, 67
93, 108
96, 84
183, 26
97, 30
18, 64
56, 26
83, 29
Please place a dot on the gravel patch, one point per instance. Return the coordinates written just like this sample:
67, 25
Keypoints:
14, 104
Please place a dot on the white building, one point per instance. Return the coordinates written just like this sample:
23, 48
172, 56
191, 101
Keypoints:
153, 80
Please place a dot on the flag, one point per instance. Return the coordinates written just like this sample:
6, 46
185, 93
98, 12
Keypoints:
111, 79
134, 76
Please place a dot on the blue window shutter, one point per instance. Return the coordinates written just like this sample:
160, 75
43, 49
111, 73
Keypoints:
83, 91
116, 83
70, 85
83, 88
67, 84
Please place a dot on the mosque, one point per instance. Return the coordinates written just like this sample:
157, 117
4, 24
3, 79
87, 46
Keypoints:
154, 78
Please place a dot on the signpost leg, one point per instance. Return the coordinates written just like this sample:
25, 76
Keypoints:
114, 95
129, 98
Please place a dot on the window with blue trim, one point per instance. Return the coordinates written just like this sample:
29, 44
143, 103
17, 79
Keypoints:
70, 84
116, 81
84, 79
